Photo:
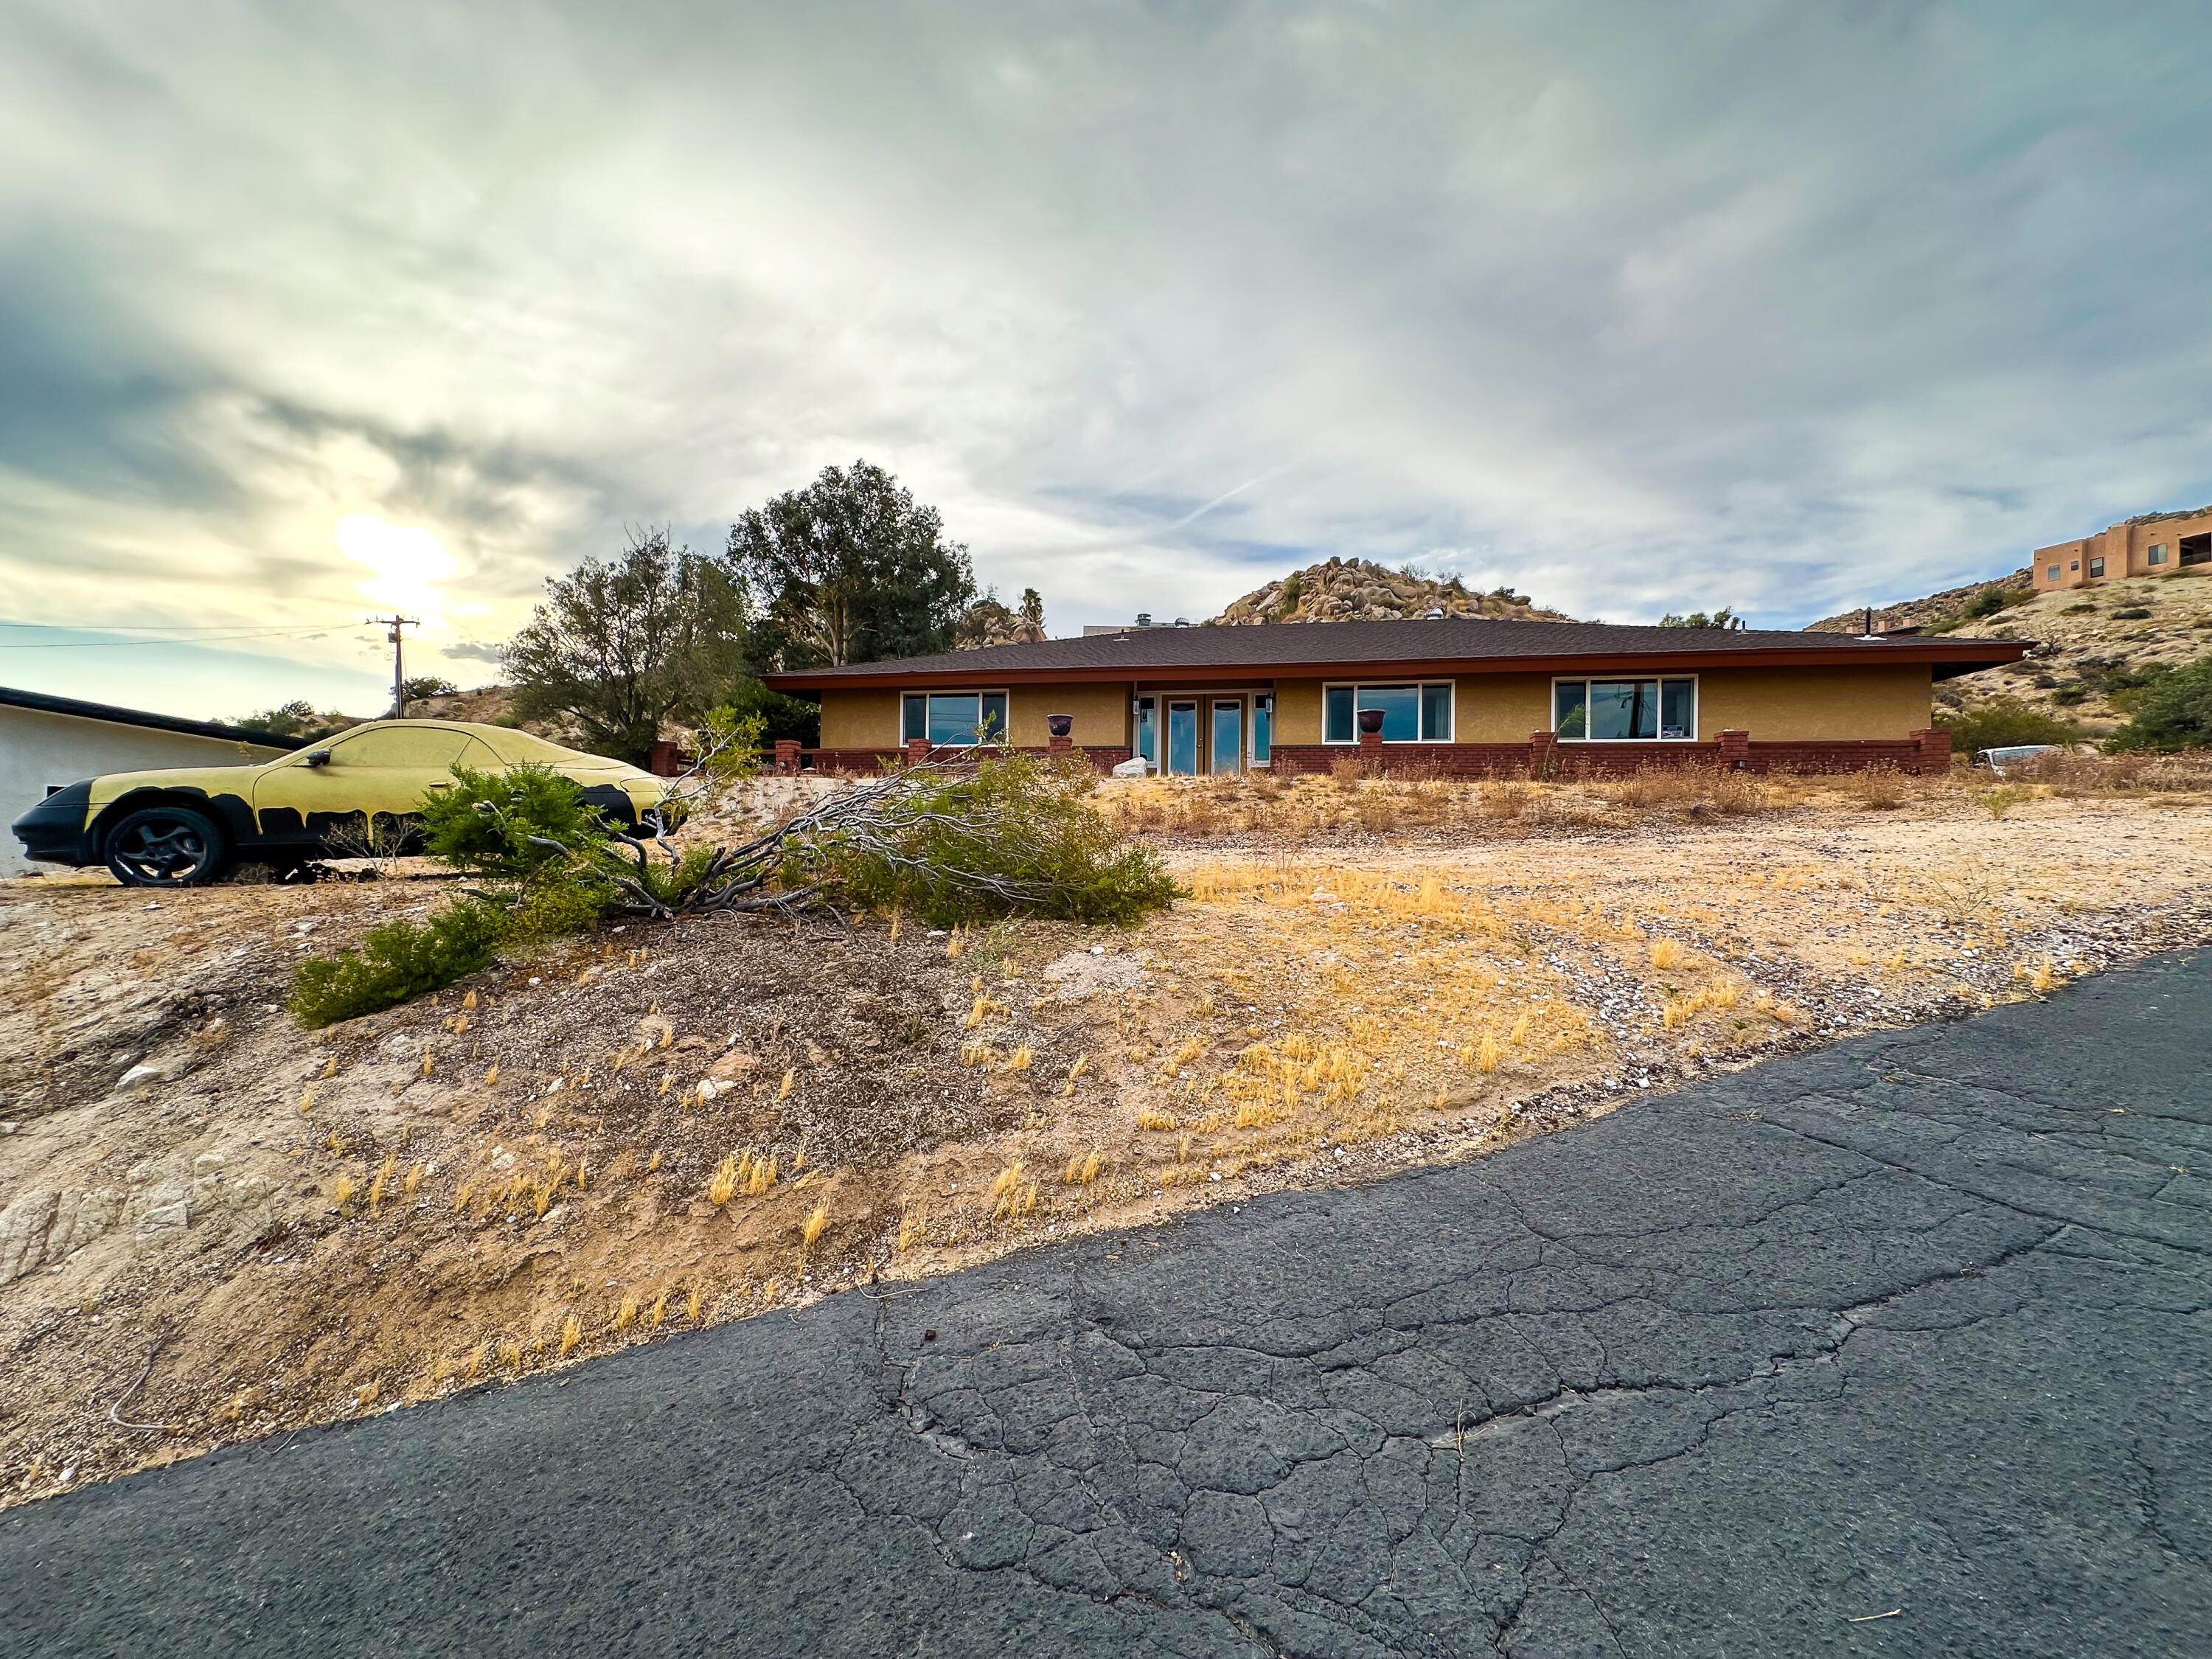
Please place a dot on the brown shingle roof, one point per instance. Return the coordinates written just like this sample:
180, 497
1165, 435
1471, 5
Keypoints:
1312, 648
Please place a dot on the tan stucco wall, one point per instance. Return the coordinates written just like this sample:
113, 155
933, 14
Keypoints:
1777, 704
1101, 711
870, 719
1298, 711
860, 719
1501, 708
1488, 709
1771, 703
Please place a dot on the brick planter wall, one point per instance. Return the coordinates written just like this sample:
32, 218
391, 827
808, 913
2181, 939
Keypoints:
1928, 751
866, 763
1453, 760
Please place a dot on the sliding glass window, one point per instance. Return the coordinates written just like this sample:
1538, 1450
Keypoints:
1411, 714
952, 720
1624, 711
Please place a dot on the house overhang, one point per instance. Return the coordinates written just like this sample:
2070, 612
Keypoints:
1945, 660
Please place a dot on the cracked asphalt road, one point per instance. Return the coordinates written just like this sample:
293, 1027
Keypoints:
1916, 1322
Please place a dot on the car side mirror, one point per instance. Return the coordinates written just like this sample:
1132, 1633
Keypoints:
319, 757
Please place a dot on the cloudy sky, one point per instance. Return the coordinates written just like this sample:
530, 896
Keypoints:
309, 309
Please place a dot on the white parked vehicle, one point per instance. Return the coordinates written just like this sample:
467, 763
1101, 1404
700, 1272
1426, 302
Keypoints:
1999, 760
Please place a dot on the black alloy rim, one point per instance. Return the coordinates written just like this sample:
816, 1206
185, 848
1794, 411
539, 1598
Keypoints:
163, 849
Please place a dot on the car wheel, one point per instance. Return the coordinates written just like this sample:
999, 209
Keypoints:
167, 847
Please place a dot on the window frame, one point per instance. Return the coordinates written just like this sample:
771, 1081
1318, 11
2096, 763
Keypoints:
1419, 689
1658, 681
2052, 575
997, 740
2156, 553
2097, 566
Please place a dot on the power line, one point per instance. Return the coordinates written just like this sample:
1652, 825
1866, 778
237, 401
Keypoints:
189, 633
111, 645
173, 628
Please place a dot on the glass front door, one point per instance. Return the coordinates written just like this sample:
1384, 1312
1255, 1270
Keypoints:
1228, 738
1148, 737
1263, 730
1183, 740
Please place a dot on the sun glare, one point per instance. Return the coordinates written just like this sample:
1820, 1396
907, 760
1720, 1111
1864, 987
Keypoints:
408, 561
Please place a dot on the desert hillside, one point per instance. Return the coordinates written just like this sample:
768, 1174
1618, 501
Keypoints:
2094, 646
1358, 590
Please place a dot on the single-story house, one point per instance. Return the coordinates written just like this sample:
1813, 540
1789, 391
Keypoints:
48, 743
1454, 695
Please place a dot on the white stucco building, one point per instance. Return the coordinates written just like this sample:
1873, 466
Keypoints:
48, 743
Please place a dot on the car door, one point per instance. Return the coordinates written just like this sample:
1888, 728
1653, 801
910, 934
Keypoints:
380, 771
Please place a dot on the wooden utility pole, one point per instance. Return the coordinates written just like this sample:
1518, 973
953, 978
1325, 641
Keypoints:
398, 662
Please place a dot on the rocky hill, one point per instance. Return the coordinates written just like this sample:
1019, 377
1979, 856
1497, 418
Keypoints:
1358, 590
1923, 613
2094, 646
991, 620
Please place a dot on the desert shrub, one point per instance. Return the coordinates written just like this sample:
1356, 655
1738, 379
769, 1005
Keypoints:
1201, 817
554, 907
730, 744
1379, 812
2131, 613
1878, 788
1508, 799
1739, 795
2001, 722
1347, 769
1694, 789
398, 961
1991, 600
485, 823
2174, 713
1018, 834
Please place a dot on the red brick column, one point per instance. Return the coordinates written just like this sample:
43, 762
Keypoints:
1934, 743
1542, 746
1735, 749
1060, 746
1370, 753
917, 750
787, 757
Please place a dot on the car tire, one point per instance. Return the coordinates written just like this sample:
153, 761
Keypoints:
167, 847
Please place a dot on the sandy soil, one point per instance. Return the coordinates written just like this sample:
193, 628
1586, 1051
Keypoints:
214, 1226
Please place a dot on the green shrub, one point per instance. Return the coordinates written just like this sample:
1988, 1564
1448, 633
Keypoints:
2175, 711
398, 961
555, 906
482, 825
1992, 598
1018, 835
2001, 722
729, 742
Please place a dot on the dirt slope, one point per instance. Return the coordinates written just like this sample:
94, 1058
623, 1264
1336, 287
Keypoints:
218, 1225
2093, 645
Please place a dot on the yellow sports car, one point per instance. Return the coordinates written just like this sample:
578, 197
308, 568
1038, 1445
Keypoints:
180, 827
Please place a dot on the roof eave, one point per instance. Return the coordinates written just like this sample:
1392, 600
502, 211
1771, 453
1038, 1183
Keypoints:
1958, 656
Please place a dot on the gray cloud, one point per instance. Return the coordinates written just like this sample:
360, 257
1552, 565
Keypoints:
1632, 307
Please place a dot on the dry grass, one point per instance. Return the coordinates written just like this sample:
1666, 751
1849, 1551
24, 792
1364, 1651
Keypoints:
1879, 788
724, 1187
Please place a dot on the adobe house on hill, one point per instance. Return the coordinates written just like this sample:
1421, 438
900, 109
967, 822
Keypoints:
1464, 695
2149, 544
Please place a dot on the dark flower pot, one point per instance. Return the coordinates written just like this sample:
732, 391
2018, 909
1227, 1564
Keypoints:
1059, 725
1370, 719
